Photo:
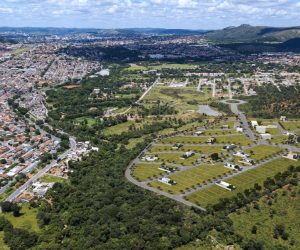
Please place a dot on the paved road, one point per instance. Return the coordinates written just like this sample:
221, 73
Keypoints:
147, 91
34, 178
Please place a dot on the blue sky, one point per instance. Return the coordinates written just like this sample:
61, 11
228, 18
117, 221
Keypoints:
193, 14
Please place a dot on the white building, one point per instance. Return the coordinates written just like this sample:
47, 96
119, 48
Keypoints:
261, 129
254, 124
266, 136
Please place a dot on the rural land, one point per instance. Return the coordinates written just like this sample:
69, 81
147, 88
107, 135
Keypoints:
150, 138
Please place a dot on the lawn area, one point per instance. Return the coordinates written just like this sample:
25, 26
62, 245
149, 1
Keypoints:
26, 221
242, 181
279, 138
229, 139
273, 131
175, 158
52, 179
262, 152
120, 128
291, 125
133, 142
219, 132
143, 172
192, 125
89, 121
283, 210
197, 149
192, 178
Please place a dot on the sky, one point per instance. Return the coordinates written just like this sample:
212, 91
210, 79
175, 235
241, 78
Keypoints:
189, 14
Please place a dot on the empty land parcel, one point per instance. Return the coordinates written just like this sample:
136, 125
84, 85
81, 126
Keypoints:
242, 181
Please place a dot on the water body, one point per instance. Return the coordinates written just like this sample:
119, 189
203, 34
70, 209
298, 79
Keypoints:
207, 110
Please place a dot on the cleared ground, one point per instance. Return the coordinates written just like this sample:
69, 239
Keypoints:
242, 181
192, 178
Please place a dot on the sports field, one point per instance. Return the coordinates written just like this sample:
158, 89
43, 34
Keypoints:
192, 178
242, 181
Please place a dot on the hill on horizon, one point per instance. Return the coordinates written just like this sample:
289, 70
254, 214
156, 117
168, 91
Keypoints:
248, 33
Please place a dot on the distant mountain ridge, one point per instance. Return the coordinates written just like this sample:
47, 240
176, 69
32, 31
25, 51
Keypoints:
248, 33
125, 31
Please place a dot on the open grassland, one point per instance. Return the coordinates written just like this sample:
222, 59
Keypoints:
242, 181
273, 131
192, 125
282, 209
27, 220
231, 122
133, 142
291, 125
206, 150
192, 178
120, 128
52, 179
176, 158
87, 120
262, 152
183, 99
230, 139
143, 172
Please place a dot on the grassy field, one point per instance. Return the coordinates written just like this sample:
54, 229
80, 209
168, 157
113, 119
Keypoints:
183, 99
134, 141
192, 125
197, 149
279, 138
242, 181
3, 246
143, 172
52, 179
291, 125
26, 221
236, 139
262, 152
273, 131
219, 132
120, 128
283, 210
192, 178
175, 158
90, 121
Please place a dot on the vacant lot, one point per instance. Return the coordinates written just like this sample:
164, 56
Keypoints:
242, 181
192, 178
